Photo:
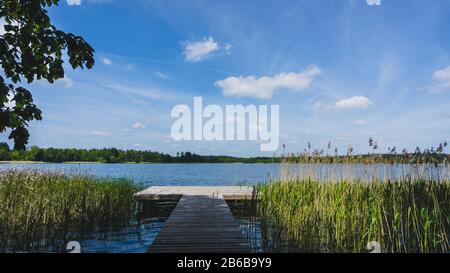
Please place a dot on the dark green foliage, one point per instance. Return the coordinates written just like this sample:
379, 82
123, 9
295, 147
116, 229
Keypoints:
4, 151
32, 49
113, 155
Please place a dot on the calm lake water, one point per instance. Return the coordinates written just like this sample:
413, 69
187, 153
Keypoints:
231, 174
168, 174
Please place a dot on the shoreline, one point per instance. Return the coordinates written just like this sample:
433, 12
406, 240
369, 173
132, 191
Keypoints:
137, 163
228, 163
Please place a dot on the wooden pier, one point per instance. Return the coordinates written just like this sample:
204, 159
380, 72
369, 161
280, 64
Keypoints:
201, 222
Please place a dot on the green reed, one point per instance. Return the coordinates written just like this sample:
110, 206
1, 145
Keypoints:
344, 216
38, 208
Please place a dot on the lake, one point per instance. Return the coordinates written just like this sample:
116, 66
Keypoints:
167, 174
213, 174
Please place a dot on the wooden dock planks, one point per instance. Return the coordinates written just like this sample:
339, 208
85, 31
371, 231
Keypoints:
201, 223
175, 192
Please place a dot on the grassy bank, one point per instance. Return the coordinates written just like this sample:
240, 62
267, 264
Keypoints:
38, 208
403, 216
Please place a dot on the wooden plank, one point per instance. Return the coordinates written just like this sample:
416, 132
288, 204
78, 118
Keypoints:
200, 223
175, 192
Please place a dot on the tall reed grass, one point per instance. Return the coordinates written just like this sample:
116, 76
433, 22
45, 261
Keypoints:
408, 215
41, 208
341, 207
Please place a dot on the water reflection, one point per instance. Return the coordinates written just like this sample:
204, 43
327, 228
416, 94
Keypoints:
136, 236
261, 234
246, 214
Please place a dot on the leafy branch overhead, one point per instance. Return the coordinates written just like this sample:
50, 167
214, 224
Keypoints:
31, 48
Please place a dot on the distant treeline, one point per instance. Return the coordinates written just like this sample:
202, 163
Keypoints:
113, 155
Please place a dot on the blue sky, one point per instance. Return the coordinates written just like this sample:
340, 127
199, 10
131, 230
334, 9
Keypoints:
341, 71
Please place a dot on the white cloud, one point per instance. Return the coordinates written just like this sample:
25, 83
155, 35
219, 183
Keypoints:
265, 86
73, 2
373, 2
79, 2
100, 133
356, 102
66, 82
440, 81
106, 61
137, 145
359, 122
138, 125
197, 51
160, 75
442, 74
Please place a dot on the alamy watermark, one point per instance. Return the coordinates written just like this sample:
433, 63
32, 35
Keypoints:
73, 247
235, 122
373, 247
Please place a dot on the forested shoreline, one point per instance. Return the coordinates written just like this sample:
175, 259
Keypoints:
113, 155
